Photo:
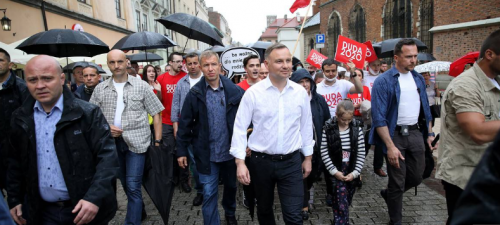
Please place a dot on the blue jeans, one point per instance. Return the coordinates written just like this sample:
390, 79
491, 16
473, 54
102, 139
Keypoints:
4, 212
131, 169
192, 166
210, 184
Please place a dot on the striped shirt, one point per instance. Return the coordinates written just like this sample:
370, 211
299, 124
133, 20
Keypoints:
346, 146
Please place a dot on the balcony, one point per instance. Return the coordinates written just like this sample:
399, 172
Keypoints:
85, 9
61, 3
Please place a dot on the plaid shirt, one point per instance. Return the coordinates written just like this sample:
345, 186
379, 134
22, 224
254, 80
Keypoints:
139, 100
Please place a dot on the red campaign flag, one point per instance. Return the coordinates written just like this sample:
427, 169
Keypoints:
316, 59
350, 50
370, 52
299, 4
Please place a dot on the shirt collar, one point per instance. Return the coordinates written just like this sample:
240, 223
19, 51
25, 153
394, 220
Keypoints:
220, 88
59, 105
267, 83
4, 85
483, 78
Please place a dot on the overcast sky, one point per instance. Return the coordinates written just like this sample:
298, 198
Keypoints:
247, 18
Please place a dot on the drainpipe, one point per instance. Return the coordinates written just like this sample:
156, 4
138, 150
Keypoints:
44, 17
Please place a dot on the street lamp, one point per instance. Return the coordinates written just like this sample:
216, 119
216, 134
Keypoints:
5, 21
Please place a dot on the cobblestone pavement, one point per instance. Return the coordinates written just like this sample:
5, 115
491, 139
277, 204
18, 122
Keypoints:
428, 207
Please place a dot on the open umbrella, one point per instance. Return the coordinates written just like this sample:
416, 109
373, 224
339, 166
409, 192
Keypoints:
157, 179
458, 66
144, 57
436, 66
260, 47
423, 56
143, 41
217, 49
63, 43
192, 27
71, 66
387, 47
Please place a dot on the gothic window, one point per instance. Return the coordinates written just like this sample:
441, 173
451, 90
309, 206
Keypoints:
334, 30
397, 19
357, 24
426, 23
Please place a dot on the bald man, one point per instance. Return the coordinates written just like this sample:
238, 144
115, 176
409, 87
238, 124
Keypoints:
126, 102
65, 159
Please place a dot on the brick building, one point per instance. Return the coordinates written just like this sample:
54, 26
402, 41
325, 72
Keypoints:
449, 28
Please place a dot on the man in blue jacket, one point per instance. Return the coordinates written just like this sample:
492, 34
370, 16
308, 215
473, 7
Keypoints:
400, 121
206, 123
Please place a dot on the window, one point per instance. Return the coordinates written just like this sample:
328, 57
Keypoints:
311, 44
138, 20
118, 9
357, 24
156, 27
426, 23
333, 33
144, 22
397, 19
82, 1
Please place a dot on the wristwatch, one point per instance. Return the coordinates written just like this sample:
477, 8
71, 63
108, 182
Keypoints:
159, 141
431, 134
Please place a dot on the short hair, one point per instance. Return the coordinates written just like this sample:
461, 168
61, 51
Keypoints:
145, 72
399, 46
492, 43
76, 67
341, 74
6, 54
171, 56
93, 67
273, 47
361, 71
157, 67
191, 55
208, 54
131, 70
329, 62
345, 106
318, 76
382, 62
246, 59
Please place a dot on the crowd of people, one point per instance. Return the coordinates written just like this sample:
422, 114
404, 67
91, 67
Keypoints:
64, 146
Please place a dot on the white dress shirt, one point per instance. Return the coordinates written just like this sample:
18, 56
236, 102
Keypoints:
282, 122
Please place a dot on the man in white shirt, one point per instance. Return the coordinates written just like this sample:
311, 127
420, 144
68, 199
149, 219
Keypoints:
372, 74
333, 89
280, 112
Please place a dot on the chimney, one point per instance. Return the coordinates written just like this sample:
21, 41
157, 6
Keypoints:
210, 9
286, 18
298, 17
271, 19
315, 7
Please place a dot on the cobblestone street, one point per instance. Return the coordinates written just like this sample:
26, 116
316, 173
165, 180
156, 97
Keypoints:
428, 207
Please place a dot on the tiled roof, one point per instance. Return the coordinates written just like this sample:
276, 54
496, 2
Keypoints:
270, 32
312, 21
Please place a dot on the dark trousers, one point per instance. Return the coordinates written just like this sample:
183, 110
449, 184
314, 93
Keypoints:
378, 157
287, 175
180, 175
57, 215
452, 193
408, 175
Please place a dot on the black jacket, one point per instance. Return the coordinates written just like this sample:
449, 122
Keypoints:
193, 123
319, 109
11, 98
86, 153
80, 93
335, 143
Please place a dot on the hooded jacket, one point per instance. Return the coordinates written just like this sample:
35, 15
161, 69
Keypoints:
319, 108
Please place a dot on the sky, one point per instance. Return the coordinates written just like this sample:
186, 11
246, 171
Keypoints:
247, 18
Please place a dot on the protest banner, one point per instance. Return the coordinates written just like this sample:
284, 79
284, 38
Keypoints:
370, 52
232, 60
316, 59
350, 50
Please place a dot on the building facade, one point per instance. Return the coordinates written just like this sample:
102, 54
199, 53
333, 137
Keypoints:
288, 34
221, 24
311, 28
449, 28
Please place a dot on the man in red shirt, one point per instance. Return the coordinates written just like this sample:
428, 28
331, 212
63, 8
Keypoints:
252, 66
168, 82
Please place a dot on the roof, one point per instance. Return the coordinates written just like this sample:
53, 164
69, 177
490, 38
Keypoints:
313, 20
292, 22
270, 33
277, 23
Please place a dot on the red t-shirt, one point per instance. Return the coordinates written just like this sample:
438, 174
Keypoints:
244, 85
358, 98
168, 84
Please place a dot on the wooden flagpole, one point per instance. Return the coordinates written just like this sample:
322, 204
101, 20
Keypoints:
302, 27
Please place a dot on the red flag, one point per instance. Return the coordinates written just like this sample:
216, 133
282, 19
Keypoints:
370, 52
299, 4
316, 59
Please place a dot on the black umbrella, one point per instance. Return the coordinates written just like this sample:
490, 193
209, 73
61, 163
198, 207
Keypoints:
144, 40
144, 57
71, 66
64, 43
260, 47
422, 56
191, 27
157, 179
387, 47
218, 49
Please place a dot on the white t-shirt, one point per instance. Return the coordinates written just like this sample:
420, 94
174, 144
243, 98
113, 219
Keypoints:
120, 104
493, 81
335, 93
369, 80
192, 82
409, 101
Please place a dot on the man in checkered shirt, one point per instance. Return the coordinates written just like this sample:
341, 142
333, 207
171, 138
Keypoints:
126, 102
